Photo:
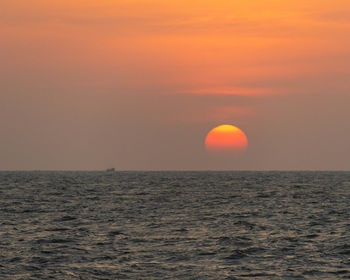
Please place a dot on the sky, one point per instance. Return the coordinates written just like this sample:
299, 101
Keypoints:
138, 84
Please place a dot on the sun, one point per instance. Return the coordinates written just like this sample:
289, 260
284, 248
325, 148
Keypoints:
227, 140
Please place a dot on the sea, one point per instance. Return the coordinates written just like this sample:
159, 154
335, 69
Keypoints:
174, 225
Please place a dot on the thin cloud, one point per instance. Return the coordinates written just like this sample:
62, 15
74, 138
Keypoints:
233, 91
339, 17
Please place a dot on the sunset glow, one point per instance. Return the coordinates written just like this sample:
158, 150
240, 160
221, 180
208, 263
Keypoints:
86, 84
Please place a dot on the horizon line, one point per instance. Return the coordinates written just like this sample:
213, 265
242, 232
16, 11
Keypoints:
175, 170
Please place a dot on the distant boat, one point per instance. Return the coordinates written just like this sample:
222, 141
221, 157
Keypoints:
110, 170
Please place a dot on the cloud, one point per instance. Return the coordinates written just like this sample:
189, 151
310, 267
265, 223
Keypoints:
232, 91
155, 17
337, 16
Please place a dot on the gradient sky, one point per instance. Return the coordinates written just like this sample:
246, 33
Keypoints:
137, 84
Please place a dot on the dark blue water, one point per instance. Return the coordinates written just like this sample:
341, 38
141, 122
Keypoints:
175, 225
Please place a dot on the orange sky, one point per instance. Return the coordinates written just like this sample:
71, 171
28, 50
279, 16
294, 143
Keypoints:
92, 54
186, 45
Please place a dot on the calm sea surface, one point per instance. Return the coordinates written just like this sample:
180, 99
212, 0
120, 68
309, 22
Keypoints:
175, 225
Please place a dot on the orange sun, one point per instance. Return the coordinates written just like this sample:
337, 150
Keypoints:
226, 139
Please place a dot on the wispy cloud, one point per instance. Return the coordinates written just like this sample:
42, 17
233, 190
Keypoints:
232, 91
337, 16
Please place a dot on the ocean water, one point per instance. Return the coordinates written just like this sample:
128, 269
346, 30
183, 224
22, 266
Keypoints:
175, 225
